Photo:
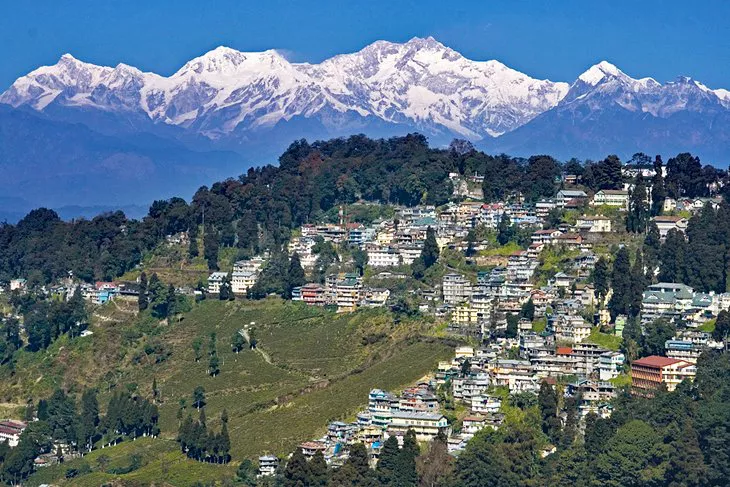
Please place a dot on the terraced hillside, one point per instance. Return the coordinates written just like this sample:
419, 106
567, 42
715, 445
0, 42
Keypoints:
311, 366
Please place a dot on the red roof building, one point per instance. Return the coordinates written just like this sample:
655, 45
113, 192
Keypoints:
650, 373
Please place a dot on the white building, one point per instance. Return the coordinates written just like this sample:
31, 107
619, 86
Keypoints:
241, 282
215, 280
610, 364
611, 197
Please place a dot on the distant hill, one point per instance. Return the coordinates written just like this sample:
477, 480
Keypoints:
50, 163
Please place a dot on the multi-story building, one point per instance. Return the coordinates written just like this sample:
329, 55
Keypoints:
268, 465
241, 282
427, 426
650, 373
566, 196
611, 197
610, 365
665, 300
382, 256
215, 280
455, 289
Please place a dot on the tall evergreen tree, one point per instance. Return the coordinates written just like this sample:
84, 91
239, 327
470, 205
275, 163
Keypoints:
638, 284
547, 400
652, 248
671, 268
210, 247
638, 214
658, 190
406, 474
295, 276
430, 252
388, 461
621, 284
142, 297
505, 232
600, 280
225, 292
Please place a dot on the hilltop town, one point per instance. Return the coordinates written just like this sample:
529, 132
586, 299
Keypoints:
563, 299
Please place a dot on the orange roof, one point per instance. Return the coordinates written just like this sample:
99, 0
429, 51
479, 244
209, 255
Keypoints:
563, 351
474, 418
656, 361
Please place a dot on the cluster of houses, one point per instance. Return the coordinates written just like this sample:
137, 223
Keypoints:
244, 276
416, 408
345, 291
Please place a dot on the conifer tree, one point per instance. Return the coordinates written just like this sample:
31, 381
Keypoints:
318, 474
295, 276
658, 190
638, 215
430, 252
388, 461
406, 474
548, 402
621, 284
142, 297
600, 280
296, 473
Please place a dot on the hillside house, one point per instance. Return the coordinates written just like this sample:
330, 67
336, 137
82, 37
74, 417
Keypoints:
665, 223
617, 198
215, 280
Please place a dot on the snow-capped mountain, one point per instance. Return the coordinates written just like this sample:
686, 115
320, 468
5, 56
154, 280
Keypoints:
420, 84
76, 131
607, 111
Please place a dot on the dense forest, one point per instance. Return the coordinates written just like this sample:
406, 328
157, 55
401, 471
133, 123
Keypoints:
259, 209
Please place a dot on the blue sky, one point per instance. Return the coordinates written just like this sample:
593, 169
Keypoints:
546, 39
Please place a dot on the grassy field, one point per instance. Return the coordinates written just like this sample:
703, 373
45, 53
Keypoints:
311, 366
611, 342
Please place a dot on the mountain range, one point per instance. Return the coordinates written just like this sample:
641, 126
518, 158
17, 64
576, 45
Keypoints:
77, 133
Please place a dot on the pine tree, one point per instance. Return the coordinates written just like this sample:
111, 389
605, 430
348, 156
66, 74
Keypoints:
388, 461
621, 284
318, 474
722, 326
193, 245
225, 292
430, 252
652, 249
89, 419
504, 230
295, 276
224, 444
238, 342
528, 310
638, 215
406, 474
672, 267
547, 400
199, 397
600, 280
296, 473
142, 297
658, 190
638, 284
210, 247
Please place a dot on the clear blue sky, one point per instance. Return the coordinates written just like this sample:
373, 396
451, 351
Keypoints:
547, 39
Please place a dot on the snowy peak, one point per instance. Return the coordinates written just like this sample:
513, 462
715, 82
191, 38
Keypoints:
420, 84
598, 72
